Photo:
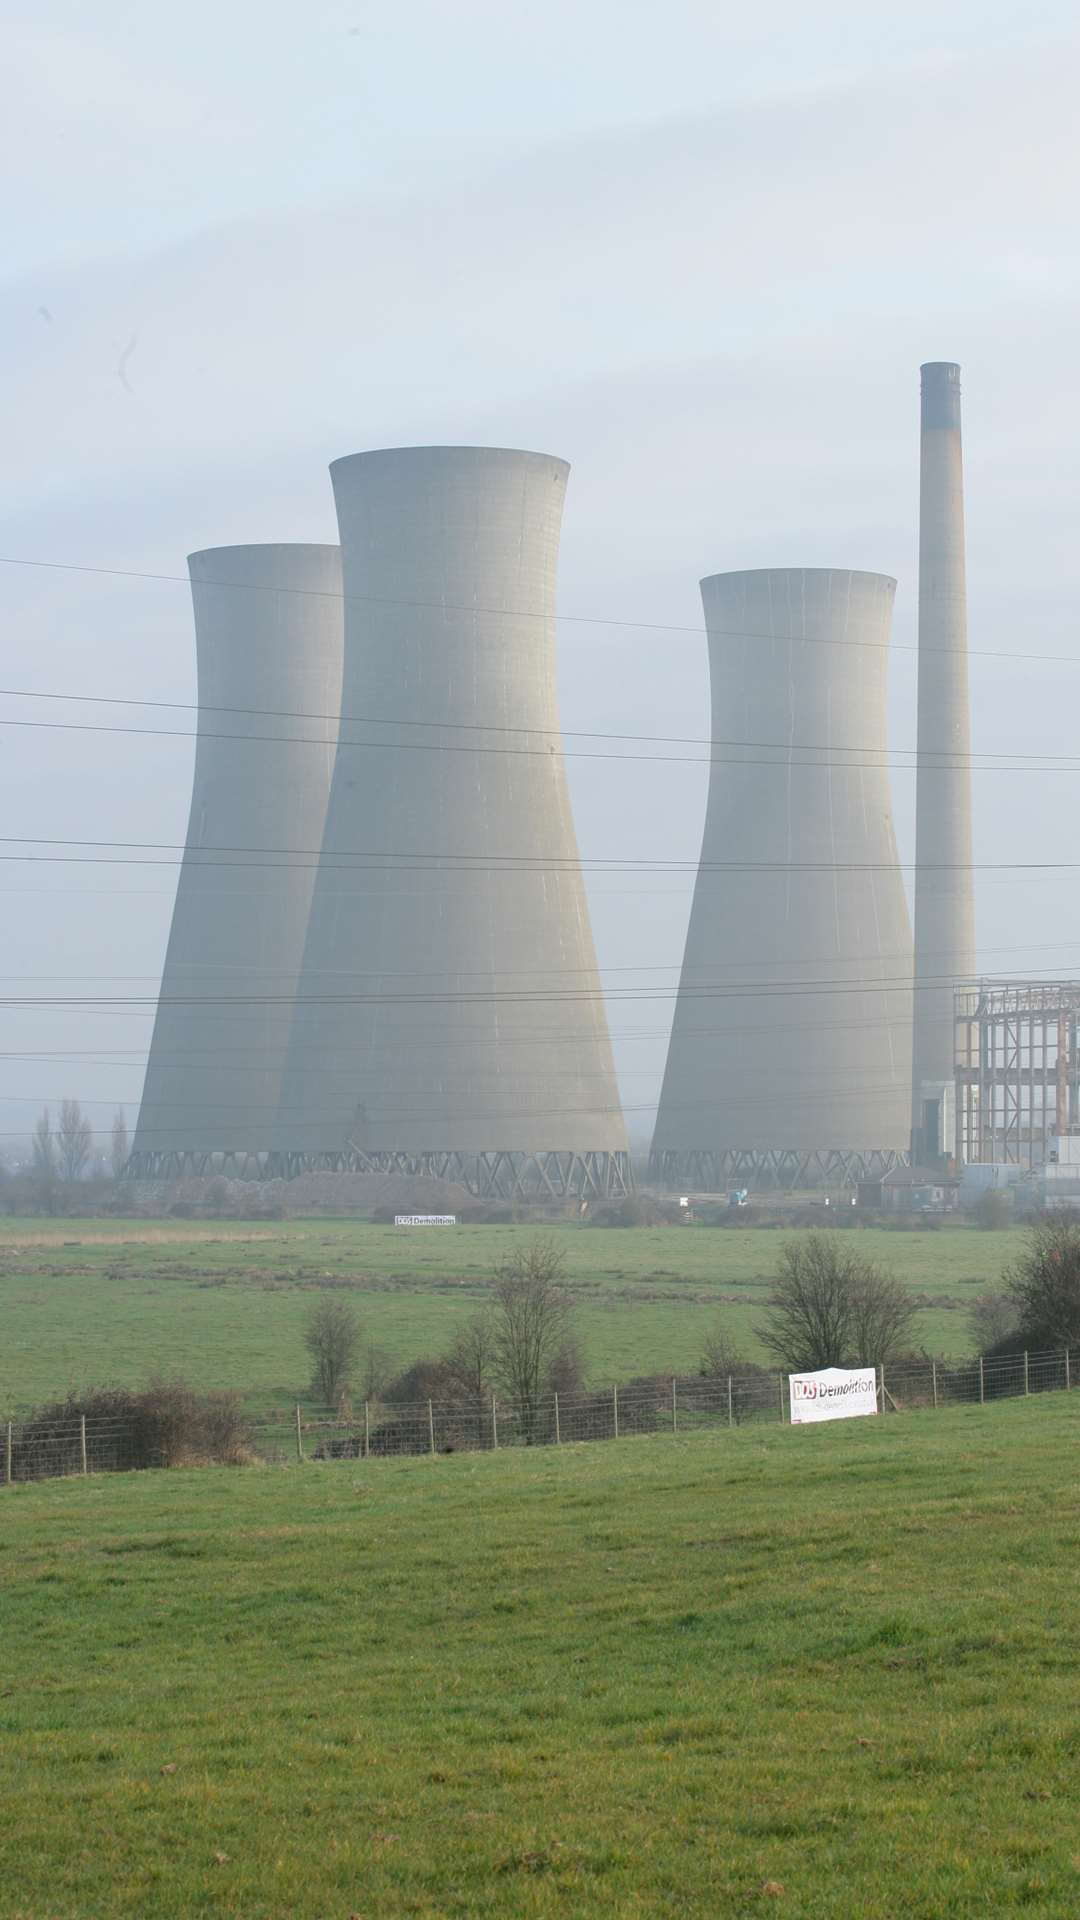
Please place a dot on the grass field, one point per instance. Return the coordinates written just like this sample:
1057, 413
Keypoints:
822, 1673
225, 1304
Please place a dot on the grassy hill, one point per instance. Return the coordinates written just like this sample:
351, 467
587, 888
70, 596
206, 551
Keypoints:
225, 1303
817, 1673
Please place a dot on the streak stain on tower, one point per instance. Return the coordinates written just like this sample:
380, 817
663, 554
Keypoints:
790, 1049
268, 633
450, 1018
944, 895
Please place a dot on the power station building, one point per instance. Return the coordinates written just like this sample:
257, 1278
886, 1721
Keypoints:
268, 634
790, 1052
449, 1018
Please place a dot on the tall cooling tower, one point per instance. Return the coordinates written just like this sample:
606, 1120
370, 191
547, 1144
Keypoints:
268, 635
450, 1019
944, 892
790, 1050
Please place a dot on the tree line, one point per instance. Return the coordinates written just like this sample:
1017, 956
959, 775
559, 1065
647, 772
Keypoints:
827, 1306
64, 1154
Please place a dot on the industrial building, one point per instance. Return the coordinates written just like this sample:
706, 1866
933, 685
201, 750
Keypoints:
1017, 1070
944, 877
268, 636
449, 1018
790, 1054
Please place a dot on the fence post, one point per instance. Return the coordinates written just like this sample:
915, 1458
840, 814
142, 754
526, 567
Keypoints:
982, 1381
558, 1435
730, 1414
9, 1449
1027, 1388
367, 1429
431, 1424
494, 1424
615, 1408
881, 1372
299, 1434
780, 1385
1068, 1382
82, 1440
933, 1368
674, 1407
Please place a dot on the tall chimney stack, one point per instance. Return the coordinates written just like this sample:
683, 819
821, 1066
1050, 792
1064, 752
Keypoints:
944, 894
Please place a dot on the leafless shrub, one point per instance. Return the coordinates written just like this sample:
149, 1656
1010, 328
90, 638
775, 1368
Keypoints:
118, 1145
332, 1338
992, 1210
829, 1308
531, 1318
1043, 1285
165, 1424
471, 1360
992, 1319
74, 1140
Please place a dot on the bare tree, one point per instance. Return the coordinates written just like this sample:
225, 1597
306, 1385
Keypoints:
992, 1319
829, 1308
332, 1338
118, 1151
720, 1356
470, 1361
74, 1140
45, 1161
531, 1318
1043, 1285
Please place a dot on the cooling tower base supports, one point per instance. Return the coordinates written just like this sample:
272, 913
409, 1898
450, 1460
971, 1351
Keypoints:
697, 1170
489, 1176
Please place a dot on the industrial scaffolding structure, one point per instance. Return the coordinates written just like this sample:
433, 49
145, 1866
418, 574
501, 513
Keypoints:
1017, 1069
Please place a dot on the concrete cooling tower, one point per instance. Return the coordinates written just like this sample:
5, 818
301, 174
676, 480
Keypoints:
268, 634
790, 1050
450, 1019
944, 890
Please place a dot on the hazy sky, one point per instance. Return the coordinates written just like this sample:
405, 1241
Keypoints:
697, 251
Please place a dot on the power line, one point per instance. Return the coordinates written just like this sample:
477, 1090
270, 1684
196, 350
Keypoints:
551, 616
1031, 763
751, 989
194, 858
480, 726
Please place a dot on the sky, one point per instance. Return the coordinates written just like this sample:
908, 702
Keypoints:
699, 251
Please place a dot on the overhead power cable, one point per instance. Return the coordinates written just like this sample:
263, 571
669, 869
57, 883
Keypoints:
479, 726
751, 989
459, 864
1031, 764
547, 617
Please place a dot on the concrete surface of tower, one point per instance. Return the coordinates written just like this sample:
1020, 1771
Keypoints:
944, 880
790, 1050
450, 1018
268, 634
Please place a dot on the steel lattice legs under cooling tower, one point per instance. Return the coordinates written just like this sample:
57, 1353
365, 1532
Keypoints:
489, 1176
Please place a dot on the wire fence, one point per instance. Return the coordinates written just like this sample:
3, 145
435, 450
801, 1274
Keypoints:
35, 1449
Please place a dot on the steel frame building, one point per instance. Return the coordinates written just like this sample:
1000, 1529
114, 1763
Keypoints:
1017, 1068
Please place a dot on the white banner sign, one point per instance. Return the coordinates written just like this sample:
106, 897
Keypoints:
834, 1394
425, 1219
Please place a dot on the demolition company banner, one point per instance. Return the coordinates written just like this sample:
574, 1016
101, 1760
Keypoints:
834, 1394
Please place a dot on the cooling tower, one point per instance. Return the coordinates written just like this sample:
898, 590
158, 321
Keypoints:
790, 1048
450, 1019
268, 635
944, 894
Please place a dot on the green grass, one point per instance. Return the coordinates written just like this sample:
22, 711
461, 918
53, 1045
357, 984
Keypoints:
225, 1304
653, 1679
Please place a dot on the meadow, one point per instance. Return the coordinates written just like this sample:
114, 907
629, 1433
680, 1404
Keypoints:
815, 1673
224, 1303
